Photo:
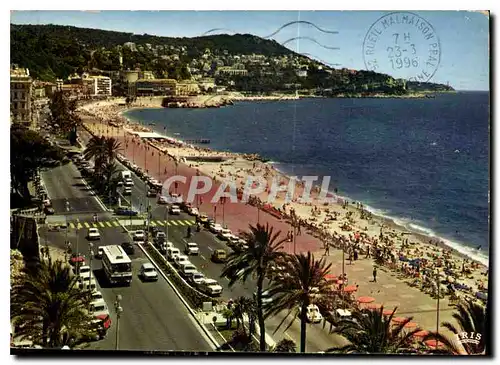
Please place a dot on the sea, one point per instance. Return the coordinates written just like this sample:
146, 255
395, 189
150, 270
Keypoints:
422, 162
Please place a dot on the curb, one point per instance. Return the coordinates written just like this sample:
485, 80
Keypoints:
215, 344
95, 196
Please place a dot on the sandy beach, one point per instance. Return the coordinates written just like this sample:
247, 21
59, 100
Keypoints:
417, 260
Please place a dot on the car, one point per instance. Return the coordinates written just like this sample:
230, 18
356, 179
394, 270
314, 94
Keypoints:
139, 235
175, 198
93, 234
162, 200
151, 193
84, 270
209, 222
99, 253
127, 191
312, 313
266, 299
159, 237
224, 235
96, 295
87, 281
193, 211
202, 218
164, 246
215, 228
77, 259
180, 260
210, 287
191, 248
49, 210
148, 272
128, 248
233, 240
219, 256
196, 278
172, 253
98, 308
188, 269
126, 211
128, 182
175, 210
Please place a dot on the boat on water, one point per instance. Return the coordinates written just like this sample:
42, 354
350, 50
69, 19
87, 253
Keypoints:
152, 124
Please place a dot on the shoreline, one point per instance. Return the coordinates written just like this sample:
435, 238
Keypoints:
389, 222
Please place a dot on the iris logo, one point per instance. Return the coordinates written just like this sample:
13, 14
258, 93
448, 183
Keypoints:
469, 337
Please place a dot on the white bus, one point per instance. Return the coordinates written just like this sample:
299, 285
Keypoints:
116, 265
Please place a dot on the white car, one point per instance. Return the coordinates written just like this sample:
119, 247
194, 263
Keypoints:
164, 246
148, 272
224, 235
215, 228
196, 278
172, 253
84, 270
191, 248
128, 182
160, 236
139, 235
100, 252
233, 239
93, 234
99, 308
127, 191
180, 260
313, 314
188, 269
97, 295
87, 281
193, 211
162, 200
210, 287
175, 210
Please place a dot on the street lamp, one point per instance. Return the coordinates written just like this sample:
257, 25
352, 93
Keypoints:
118, 310
67, 212
91, 253
437, 309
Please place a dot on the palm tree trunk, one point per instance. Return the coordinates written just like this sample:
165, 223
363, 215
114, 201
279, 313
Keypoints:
260, 314
303, 328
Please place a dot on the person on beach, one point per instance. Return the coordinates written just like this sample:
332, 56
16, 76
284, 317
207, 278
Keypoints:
374, 274
327, 249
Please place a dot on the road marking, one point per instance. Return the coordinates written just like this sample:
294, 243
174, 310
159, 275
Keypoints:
101, 225
287, 335
72, 225
203, 257
108, 224
94, 225
210, 248
152, 223
160, 223
167, 223
79, 226
180, 222
86, 225
173, 222
116, 223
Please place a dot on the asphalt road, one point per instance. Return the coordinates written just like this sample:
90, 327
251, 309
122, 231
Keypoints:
153, 316
65, 183
318, 339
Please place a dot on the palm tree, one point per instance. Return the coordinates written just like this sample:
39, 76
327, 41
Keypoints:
96, 149
112, 146
48, 304
371, 332
303, 284
471, 319
263, 250
285, 345
245, 306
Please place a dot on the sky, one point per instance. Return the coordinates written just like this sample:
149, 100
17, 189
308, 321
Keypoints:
463, 37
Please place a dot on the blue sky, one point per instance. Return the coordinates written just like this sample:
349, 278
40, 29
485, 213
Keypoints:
463, 36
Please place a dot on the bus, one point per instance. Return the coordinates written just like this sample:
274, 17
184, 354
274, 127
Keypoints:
117, 265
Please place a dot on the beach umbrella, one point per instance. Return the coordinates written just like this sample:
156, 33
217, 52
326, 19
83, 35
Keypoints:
421, 334
373, 306
387, 312
340, 282
410, 325
434, 344
350, 288
365, 300
330, 276
399, 319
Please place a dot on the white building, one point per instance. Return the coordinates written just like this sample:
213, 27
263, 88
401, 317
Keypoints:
99, 85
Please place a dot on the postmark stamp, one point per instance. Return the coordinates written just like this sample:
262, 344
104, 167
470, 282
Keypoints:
403, 45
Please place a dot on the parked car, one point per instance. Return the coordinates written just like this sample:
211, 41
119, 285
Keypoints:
215, 228
191, 248
175, 210
127, 191
128, 248
93, 234
312, 313
84, 270
188, 269
172, 253
139, 235
162, 200
96, 295
224, 234
180, 260
87, 281
99, 252
202, 218
210, 287
159, 237
196, 278
148, 272
128, 182
219, 256
193, 211
77, 259
99, 307
151, 193
164, 246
